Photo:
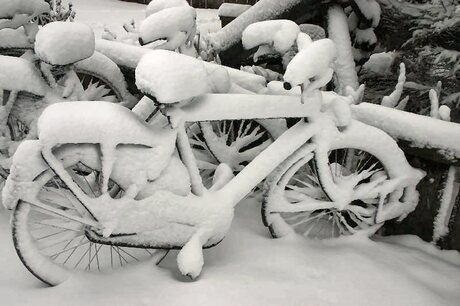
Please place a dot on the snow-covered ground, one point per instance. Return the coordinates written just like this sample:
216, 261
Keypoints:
248, 267
113, 13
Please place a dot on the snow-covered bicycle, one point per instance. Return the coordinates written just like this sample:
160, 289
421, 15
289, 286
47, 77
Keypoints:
104, 186
60, 66
100, 78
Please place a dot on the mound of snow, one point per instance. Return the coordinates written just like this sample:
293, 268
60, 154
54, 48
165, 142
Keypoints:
232, 9
171, 77
16, 38
176, 25
365, 39
63, 43
380, 63
371, 10
158, 5
9, 8
262, 10
18, 74
281, 34
311, 62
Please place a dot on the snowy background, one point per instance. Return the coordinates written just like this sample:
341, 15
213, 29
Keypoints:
248, 267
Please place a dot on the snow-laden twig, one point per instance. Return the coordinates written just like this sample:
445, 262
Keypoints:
393, 98
356, 95
440, 225
434, 110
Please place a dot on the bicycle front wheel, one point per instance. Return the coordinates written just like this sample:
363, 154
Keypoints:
329, 189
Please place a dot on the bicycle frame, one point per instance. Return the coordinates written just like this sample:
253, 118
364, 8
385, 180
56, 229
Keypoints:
208, 107
255, 172
164, 219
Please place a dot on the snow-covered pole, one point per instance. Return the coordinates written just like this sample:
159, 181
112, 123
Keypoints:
186, 154
262, 10
447, 194
393, 99
344, 64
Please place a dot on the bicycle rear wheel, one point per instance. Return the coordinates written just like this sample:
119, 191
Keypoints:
52, 240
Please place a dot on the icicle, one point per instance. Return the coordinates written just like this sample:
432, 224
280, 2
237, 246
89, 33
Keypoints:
434, 111
444, 112
356, 95
402, 104
440, 226
393, 98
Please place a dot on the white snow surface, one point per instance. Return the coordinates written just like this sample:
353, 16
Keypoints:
9, 8
87, 121
62, 43
262, 10
279, 34
171, 77
22, 76
174, 24
365, 36
371, 10
14, 38
314, 61
380, 63
232, 9
423, 131
344, 65
158, 5
112, 14
129, 56
447, 199
250, 268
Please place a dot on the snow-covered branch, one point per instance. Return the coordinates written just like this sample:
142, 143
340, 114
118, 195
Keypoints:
393, 99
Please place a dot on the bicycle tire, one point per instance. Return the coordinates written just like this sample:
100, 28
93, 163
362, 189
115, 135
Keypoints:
315, 172
54, 247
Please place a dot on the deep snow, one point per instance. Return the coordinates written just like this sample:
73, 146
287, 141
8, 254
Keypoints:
248, 267
113, 13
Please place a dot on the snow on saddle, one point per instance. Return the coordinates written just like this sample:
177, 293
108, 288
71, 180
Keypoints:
169, 77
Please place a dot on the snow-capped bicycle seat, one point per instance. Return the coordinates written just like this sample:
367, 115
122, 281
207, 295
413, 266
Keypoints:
171, 77
10, 8
64, 43
175, 26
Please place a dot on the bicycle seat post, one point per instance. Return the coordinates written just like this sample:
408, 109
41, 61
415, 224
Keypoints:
186, 154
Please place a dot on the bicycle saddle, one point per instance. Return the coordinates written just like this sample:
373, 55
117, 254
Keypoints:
176, 25
64, 43
10, 8
170, 77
